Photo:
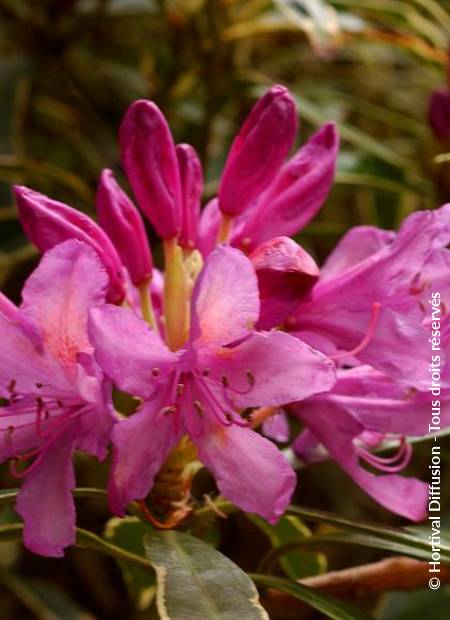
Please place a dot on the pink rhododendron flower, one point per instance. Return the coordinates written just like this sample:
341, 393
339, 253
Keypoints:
224, 367
55, 400
363, 409
369, 293
191, 177
439, 113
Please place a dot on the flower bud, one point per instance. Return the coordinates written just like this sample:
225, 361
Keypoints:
47, 222
439, 113
124, 226
286, 273
296, 194
191, 178
258, 150
150, 161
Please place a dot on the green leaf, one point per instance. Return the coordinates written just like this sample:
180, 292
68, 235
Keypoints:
409, 542
317, 600
287, 533
195, 581
127, 533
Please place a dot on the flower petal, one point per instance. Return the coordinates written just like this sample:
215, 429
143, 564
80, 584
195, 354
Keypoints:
336, 429
45, 501
128, 351
58, 295
270, 368
356, 245
141, 444
249, 470
225, 302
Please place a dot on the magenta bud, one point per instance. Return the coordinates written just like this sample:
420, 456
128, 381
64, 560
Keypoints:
286, 273
297, 193
439, 113
7, 308
150, 161
258, 150
191, 177
121, 220
47, 222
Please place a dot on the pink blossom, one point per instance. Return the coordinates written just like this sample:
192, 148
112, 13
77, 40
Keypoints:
56, 403
191, 177
225, 366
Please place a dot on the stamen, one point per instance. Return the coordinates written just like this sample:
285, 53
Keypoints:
156, 372
168, 410
391, 464
180, 389
206, 372
199, 409
8, 434
250, 377
225, 381
367, 338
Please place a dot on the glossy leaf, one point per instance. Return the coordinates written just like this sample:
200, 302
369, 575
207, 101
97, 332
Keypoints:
195, 581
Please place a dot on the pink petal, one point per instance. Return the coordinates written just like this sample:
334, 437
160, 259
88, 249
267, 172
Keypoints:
45, 501
141, 444
58, 295
282, 370
286, 273
249, 470
258, 150
277, 427
225, 302
149, 159
128, 351
336, 429
355, 246
7, 308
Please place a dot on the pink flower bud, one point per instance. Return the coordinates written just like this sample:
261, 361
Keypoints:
191, 177
258, 150
286, 273
297, 193
439, 113
47, 223
150, 161
121, 220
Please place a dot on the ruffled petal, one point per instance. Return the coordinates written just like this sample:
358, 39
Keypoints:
249, 470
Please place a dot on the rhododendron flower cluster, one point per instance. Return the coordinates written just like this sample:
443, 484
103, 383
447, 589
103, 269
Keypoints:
239, 333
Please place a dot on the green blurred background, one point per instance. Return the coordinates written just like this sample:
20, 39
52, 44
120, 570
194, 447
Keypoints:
68, 71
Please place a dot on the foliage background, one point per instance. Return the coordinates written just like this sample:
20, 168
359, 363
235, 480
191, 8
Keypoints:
69, 69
